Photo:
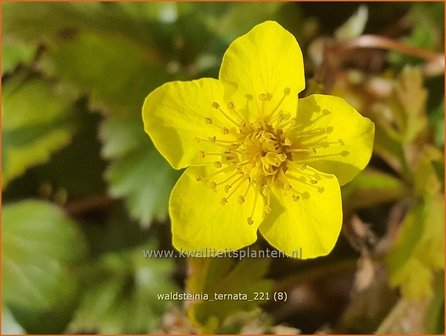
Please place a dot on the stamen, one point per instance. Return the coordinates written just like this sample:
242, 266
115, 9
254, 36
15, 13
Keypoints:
317, 157
215, 141
203, 154
229, 178
216, 106
243, 178
311, 183
265, 96
295, 197
242, 198
310, 150
286, 142
267, 207
289, 123
223, 130
220, 171
250, 219
231, 106
286, 92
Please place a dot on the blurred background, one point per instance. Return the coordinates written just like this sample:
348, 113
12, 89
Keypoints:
85, 193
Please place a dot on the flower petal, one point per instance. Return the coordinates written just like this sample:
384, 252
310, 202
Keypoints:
262, 67
345, 142
309, 226
175, 115
200, 221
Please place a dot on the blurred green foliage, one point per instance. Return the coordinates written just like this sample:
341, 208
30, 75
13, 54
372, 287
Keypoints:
225, 276
85, 192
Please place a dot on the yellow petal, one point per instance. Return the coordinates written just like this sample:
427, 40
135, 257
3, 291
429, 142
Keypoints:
200, 221
307, 225
345, 141
262, 68
176, 113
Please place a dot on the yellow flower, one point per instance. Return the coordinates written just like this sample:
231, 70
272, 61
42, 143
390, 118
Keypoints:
259, 159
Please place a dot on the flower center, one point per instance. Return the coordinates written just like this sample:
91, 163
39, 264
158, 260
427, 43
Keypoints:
263, 150
259, 155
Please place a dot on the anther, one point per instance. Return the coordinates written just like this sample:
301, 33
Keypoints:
250, 220
227, 188
201, 154
199, 178
208, 120
265, 96
287, 91
223, 201
225, 130
267, 209
212, 185
287, 142
217, 164
312, 150
265, 191
231, 106
241, 199
213, 138
295, 197
215, 105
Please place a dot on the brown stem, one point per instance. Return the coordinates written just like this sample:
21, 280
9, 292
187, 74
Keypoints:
380, 42
79, 207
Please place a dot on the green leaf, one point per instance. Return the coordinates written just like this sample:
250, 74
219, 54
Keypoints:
427, 22
234, 22
36, 121
39, 21
9, 324
439, 171
39, 243
412, 97
434, 317
138, 172
81, 158
426, 179
372, 187
117, 79
15, 52
145, 180
437, 120
121, 294
417, 252
224, 276
354, 26
388, 146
